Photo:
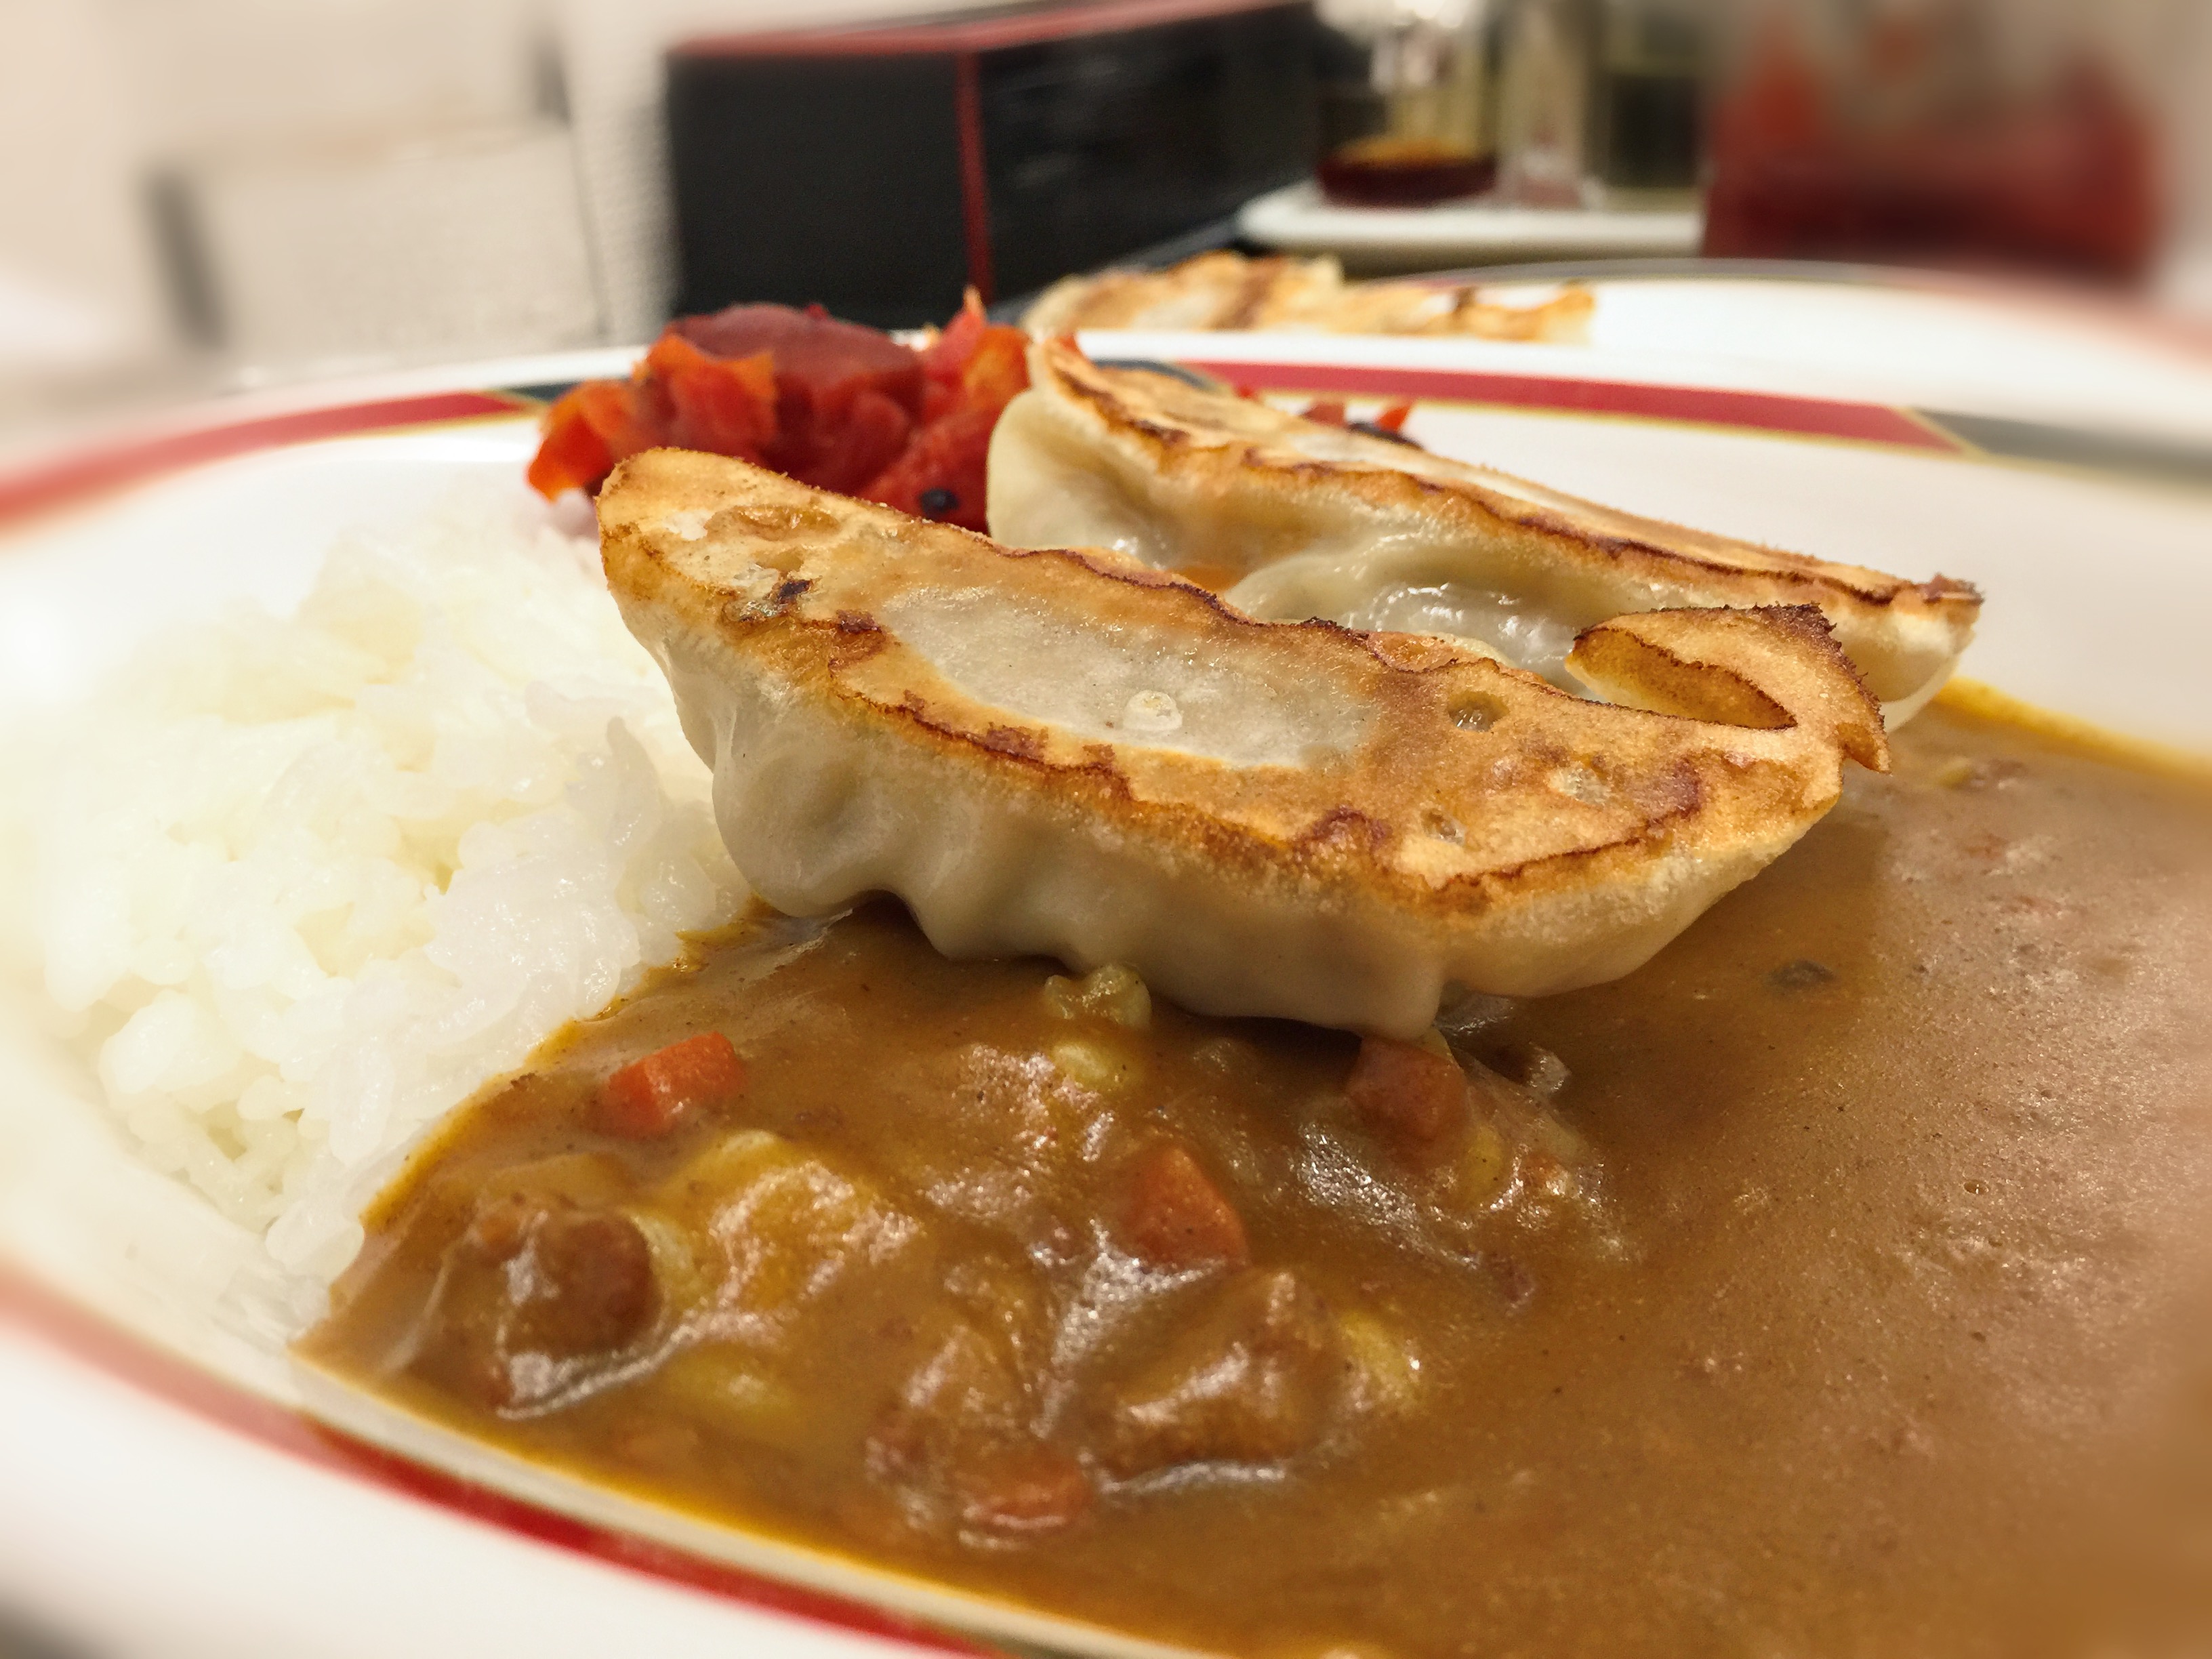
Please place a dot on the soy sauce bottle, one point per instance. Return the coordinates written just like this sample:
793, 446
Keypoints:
1407, 94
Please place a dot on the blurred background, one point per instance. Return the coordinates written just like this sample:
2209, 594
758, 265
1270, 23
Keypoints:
210, 193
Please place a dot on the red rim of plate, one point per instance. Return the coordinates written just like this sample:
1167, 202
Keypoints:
154, 1371
1773, 413
100, 468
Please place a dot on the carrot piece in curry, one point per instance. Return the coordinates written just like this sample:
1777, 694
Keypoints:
1177, 1217
1030, 1489
652, 1096
1406, 1091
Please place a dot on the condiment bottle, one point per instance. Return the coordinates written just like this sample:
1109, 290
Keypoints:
1543, 103
1406, 115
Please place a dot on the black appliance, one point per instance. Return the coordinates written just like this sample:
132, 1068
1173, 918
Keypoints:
879, 171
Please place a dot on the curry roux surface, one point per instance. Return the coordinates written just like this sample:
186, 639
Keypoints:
1845, 1299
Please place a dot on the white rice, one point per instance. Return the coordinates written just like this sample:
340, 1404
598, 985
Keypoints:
301, 886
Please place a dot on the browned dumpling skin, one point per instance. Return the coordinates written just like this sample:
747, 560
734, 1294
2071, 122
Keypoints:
1072, 754
1308, 520
1223, 290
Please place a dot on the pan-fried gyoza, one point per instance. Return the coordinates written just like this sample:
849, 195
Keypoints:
1073, 754
1313, 520
1223, 290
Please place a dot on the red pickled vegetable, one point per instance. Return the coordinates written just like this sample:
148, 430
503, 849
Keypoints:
571, 455
975, 368
828, 403
587, 431
942, 474
847, 398
946, 357
620, 411
821, 364
650, 1096
983, 365
868, 435
723, 405
1331, 411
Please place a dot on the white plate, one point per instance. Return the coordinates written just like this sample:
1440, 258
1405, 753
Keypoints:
164, 1495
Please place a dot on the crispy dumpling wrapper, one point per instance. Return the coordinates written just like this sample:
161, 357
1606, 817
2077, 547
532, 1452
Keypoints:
1224, 291
1313, 520
1074, 754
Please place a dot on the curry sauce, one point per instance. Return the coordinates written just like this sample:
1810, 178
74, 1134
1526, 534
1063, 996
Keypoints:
1830, 1286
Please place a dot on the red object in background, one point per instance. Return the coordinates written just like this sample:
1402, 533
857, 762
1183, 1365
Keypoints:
828, 403
2064, 181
